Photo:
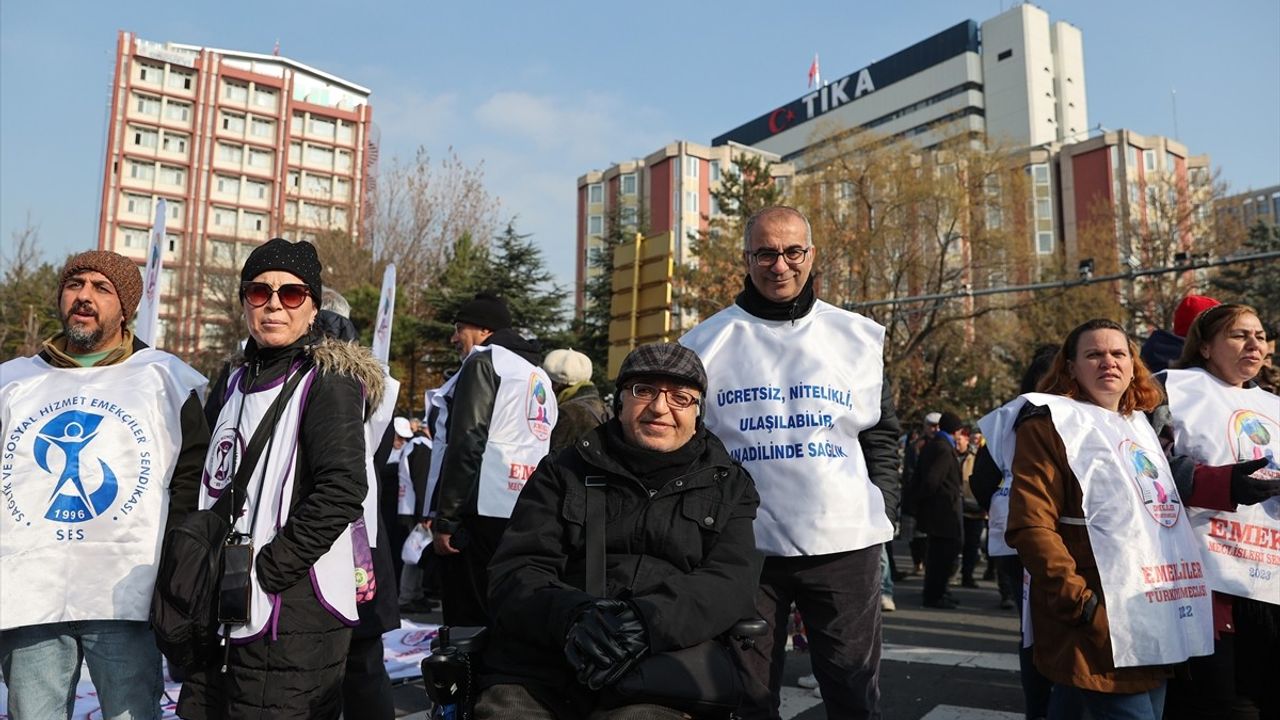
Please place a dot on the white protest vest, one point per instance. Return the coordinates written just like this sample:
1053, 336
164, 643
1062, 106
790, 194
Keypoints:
788, 400
406, 503
1153, 584
997, 428
438, 398
88, 455
374, 428
524, 411
1218, 424
333, 575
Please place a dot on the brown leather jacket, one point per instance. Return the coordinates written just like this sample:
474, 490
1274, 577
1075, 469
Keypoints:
1064, 575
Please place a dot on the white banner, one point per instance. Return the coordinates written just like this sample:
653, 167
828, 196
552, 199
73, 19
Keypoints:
386, 312
149, 307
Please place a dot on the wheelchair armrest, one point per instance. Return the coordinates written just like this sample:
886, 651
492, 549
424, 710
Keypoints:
754, 627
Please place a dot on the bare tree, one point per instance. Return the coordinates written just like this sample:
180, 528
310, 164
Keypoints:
28, 294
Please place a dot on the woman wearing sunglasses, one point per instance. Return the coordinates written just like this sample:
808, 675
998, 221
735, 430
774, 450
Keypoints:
302, 501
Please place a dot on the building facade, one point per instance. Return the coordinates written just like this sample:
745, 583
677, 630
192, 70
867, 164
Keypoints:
1246, 209
668, 190
242, 147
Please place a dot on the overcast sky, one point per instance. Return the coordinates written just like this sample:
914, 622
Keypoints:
542, 95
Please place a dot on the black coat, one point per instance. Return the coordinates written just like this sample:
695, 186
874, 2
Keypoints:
937, 490
686, 557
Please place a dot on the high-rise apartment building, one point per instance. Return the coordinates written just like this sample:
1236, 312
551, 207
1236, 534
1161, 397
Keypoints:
668, 190
1249, 208
242, 147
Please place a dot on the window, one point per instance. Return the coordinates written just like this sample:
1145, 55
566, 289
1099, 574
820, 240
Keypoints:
176, 143
147, 105
1170, 162
228, 185
317, 214
230, 153
1149, 160
317, 155
346, 131
595, 193
264, 98
323, 127
224, 217
319, 184
263, 128
255, 221
344, 160
995, 218
141, 171
179, 111
295, 152
595, 225
629, 184
1040, 173
1130, 156
144, 137
691, 201
714, 170
233, 123
221, 253
844, 190
256, 189
173, 209
137, 204
167, 277
691, 165
149, 73
173, 175
715, 207
235, 92
179, 80
1044, 208
173, 241
341, 189
135, 238
260, 159
294, 179
1044, 243
627, 216
291, 211
340, 217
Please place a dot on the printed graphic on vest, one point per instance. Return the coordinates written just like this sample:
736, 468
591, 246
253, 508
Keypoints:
1158, 495
536, 408
80, 446
220, 465
1254, 436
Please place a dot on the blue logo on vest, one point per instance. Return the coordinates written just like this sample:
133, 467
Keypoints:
71, 501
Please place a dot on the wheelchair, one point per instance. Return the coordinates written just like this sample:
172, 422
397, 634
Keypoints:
449, 672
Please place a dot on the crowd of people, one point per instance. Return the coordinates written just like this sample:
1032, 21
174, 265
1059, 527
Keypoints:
755, 469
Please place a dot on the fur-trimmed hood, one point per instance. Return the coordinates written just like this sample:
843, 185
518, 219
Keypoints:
343, 358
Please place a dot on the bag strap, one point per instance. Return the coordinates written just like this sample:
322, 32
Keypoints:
594, 532
240, 484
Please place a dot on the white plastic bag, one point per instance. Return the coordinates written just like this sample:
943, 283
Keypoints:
419, 539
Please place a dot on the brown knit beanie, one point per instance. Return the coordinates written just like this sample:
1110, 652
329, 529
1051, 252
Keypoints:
120, 270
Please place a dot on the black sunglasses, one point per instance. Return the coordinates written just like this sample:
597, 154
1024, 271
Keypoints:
258, 294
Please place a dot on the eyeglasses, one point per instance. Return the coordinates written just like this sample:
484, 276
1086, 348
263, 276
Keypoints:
258, 294
794, 255
678, 399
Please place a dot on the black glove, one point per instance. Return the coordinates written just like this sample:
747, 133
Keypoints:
604, 642
1246, 490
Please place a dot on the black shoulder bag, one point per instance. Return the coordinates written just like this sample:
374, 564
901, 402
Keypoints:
193, 580
699, 679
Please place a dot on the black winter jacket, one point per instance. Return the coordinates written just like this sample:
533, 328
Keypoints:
470, 410
685, 557
937, 490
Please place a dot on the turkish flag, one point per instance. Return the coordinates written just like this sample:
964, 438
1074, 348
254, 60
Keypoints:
815, 78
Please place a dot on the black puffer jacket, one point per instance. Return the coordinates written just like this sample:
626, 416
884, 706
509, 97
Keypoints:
685, 556
470, 410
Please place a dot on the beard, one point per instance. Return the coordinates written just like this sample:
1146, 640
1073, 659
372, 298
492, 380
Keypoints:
83, 340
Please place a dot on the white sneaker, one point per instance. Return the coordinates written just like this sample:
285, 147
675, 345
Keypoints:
807, 681
887, 604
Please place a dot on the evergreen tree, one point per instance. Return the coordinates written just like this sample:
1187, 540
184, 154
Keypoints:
1258, 283
518, 273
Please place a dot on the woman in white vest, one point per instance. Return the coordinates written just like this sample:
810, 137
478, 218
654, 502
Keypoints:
1117, 590
305, 492
1217, 416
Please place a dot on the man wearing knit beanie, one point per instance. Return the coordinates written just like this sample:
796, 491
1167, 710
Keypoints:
106, 443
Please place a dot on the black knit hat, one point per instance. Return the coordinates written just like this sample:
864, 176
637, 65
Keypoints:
299, 258
487, 311
671, 360
950, 423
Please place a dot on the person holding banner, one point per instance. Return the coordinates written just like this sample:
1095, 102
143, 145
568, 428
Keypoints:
104, 441
1118, 591
1216, 416
302, 501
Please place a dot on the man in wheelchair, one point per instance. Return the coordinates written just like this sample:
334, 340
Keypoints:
651, 511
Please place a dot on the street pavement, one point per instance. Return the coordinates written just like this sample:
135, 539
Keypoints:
959, 664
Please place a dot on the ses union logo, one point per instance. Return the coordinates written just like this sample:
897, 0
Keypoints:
82, 491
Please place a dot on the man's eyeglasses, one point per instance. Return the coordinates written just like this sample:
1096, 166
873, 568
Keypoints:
258, 294
678, 399
794, 255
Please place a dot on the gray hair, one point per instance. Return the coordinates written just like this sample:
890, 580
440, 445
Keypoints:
759, 215
333, 301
